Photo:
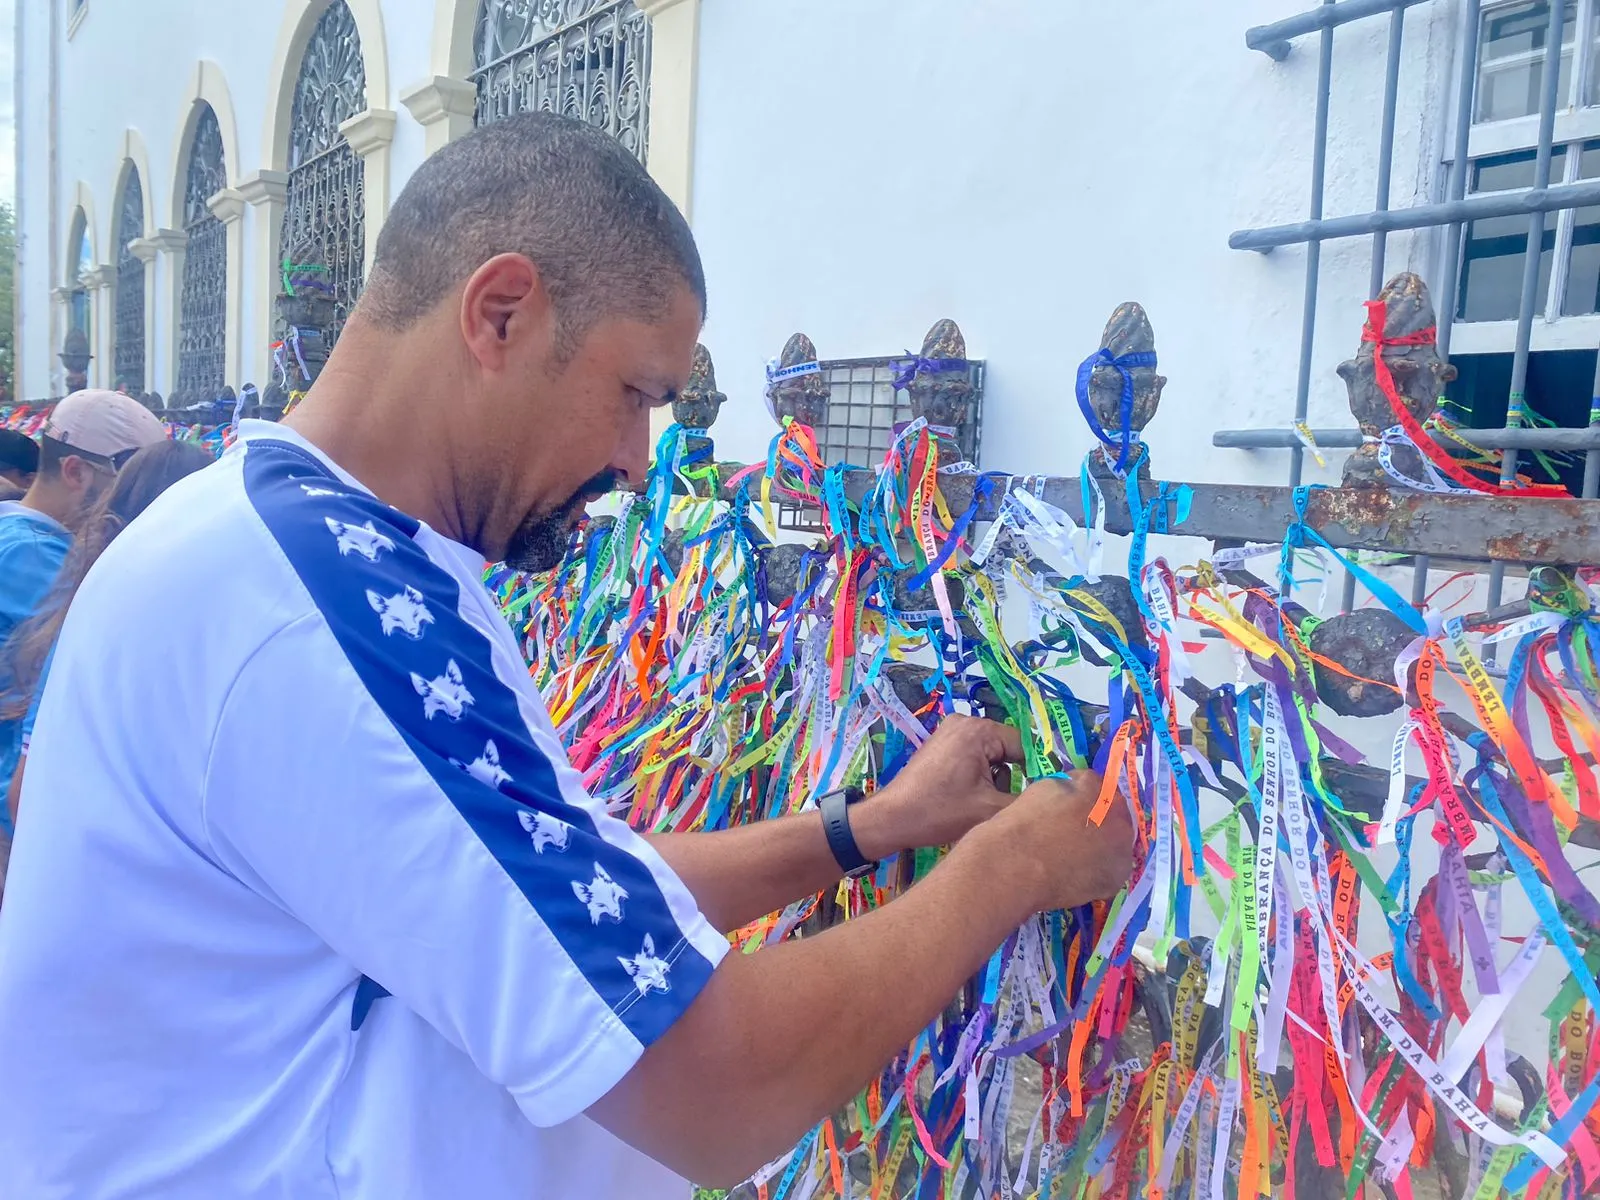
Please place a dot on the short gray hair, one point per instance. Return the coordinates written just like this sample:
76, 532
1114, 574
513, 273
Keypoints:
605, 237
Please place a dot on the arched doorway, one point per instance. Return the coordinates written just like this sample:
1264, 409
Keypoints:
127, 355
203, 298
324, 222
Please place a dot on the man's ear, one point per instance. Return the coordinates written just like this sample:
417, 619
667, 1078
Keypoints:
503, 304
78, 474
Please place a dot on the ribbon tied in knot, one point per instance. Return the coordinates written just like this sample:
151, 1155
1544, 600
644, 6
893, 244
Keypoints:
907, 369
1125, 365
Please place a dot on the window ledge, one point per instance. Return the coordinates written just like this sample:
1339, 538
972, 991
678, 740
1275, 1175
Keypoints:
1522, 133
1500, 337
76, 19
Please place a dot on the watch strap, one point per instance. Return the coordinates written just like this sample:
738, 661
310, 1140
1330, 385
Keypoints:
835, 809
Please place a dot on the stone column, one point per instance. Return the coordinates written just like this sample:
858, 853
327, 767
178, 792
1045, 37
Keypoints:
266, 192
674, 71
370, 135
444, 107
228, 206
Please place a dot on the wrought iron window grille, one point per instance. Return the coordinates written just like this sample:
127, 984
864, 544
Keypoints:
127, 355
203, 307
588, 59
865, 414
324, 221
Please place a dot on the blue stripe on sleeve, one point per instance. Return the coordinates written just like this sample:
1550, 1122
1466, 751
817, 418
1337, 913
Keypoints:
395, 614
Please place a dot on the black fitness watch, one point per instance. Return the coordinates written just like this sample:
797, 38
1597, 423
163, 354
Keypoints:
835, 809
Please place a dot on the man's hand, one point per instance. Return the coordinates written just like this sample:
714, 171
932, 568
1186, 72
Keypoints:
1076, 861
947, 789
780, 1038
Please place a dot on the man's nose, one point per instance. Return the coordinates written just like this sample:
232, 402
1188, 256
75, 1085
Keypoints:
633, 455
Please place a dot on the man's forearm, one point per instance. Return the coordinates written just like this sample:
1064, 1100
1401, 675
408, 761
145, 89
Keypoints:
781, 1038
740, 875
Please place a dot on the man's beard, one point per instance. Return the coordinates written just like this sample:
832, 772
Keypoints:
540, 543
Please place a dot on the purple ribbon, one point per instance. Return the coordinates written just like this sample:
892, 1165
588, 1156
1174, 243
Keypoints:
1454, 870
1034, 1041
906, 370
1540, 824
1337, 746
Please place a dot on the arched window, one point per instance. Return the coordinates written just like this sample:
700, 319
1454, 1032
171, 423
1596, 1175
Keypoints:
127, 356
588, 59
324, 225
203, 302
82, 258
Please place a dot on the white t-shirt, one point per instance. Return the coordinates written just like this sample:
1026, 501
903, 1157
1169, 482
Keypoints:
288, 762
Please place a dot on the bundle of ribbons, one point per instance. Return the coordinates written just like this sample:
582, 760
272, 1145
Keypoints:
1224, 1027
28, 419
213, 439
24, 418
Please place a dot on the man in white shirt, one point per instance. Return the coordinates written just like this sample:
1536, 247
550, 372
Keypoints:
308, 903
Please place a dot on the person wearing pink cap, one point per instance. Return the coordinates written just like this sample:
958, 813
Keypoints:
86, 439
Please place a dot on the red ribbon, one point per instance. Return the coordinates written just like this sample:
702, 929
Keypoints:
1377, 321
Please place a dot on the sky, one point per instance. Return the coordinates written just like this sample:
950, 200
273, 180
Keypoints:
8, 103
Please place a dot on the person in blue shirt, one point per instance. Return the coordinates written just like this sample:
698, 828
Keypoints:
87, 437
25, 656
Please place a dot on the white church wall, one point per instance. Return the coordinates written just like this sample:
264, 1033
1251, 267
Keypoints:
1022, 168
1025, 167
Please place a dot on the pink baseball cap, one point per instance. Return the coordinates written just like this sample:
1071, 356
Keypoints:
103, 424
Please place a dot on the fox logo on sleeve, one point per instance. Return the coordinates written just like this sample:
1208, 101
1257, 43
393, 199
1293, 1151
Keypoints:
604, 896
486, 767
545, 830
648, 972
363, 539
447, 694
404, 611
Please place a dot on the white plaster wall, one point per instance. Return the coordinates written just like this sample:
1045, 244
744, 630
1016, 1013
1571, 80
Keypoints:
865, 167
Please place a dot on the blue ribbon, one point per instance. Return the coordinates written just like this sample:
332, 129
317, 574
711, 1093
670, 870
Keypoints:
1560, 1133
1124, 365
1381, 591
